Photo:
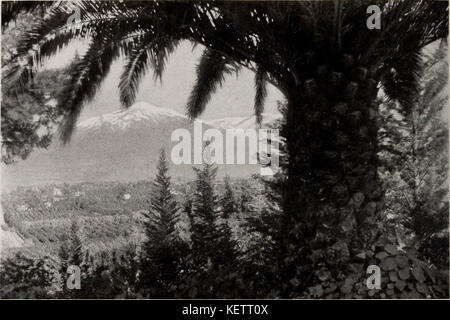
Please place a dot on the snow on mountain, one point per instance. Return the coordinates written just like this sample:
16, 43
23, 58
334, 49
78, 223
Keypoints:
141, 111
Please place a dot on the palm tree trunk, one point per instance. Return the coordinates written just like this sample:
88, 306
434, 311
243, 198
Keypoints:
332, 196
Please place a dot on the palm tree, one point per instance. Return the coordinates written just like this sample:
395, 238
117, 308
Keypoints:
319, 54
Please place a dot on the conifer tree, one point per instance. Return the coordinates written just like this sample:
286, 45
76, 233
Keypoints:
263, 253
228, 202
71, 254
214, 252
227, 246
204, 213
162, 260
163, 207
71, 250
76, 246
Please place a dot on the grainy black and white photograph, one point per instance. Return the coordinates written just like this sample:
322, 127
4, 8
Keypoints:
224, 150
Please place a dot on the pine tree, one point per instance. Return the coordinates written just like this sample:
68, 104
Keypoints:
228, 202
227, 250
71, 250
76, 246
162, 256
214, 252
71, 253
244, 197
203, 216
125, 273
263, 252
163, 215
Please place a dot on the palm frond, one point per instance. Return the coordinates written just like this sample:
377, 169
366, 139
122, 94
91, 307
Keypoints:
42, 41
413, 25
54, 32
162, 49
151, 49
401, 76
210, 74
261, 93
247, 34
11, 9
134, 70
87, 75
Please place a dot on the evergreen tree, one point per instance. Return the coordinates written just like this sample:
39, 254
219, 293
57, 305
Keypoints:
71, 253
71, 250
228, 202
124, 273
162, 256
163, 216
263, 252
214, 252
24, 277
244, 198
227, 249
76, 246
203, 216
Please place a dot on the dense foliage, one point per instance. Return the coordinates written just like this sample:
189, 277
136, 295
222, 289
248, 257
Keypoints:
29, 115
414, 158
194, 240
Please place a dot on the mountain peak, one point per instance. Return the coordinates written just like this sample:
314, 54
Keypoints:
137, 112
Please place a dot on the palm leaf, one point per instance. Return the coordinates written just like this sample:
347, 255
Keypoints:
162, 48
52, 33
210, 74
151, 49
134, 70
401, 77
10, 9
87, 75
261, 93
31, 48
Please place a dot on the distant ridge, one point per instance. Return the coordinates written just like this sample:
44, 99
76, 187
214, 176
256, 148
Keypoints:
120, 146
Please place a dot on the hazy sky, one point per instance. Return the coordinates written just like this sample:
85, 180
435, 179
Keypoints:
234, 99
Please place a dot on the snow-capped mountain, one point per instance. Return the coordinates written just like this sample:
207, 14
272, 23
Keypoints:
123, 119
120, 146
150, 114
